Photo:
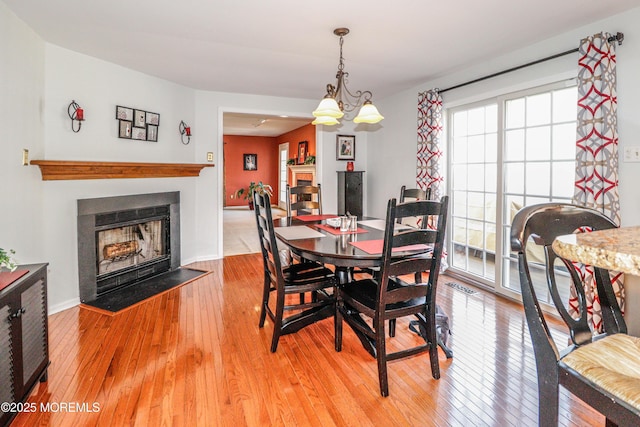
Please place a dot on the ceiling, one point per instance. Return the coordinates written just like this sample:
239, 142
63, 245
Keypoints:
287, 47
260, 124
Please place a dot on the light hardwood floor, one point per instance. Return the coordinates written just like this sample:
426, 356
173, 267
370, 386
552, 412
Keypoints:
195, 356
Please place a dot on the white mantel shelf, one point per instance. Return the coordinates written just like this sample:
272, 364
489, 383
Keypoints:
303, 169
53, 170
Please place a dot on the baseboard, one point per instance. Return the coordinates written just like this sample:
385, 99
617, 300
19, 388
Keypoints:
63, 306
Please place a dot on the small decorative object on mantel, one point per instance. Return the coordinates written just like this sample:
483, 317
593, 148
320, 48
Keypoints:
345, 147
8, 266
76, 114
185, 130
137, 124
303, 150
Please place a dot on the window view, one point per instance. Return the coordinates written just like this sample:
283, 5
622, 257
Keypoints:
530, 138
474, 184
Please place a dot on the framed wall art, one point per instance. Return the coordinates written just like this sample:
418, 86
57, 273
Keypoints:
125, 129
346, 147
250, 162
139, 133
139, 118
124, 113
303, 151
137, 124
152, 133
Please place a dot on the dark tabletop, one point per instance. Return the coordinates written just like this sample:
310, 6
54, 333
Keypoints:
332, 249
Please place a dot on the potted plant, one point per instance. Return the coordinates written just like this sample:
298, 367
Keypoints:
7, 261
7, 268
260, 187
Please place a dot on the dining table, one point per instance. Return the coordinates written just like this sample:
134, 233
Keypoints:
615, 249
310, 237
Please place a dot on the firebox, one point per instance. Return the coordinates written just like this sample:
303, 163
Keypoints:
126, 239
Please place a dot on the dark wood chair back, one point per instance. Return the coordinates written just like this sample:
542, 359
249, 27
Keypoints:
304, 197
398, 290
541, 224
295, 279
268, 242
414, 194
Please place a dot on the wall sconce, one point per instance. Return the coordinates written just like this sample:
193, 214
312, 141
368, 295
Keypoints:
185, 130
76, 114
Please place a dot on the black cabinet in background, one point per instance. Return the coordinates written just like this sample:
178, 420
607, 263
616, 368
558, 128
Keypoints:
350, 193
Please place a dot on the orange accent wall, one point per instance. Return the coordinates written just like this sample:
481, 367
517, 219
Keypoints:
236, 177
304, 133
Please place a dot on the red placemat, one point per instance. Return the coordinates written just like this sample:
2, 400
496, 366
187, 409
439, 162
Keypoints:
374, 247
7, 278
333, 230
315, 217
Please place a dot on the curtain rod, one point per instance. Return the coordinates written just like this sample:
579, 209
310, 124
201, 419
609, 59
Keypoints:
619, 37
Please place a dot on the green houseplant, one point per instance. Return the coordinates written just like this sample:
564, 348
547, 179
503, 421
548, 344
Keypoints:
247, 192
6, 260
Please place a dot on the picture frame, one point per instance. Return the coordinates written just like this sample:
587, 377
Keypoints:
303, 152
124, 113
125, 128
137, 124
139, 133
250, 162
152, 133
139, 118
345, 147
153, 118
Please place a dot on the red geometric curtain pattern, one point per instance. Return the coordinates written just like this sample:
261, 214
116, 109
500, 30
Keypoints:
596, 184
428, 168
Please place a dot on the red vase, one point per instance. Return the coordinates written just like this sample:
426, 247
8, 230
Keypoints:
350, 166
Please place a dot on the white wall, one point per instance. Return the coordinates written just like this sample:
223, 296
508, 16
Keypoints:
99, 86
393, 148
21, 126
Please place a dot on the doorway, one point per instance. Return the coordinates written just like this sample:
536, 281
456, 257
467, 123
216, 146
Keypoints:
237, 220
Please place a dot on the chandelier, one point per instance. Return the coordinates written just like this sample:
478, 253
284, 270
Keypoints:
339, 99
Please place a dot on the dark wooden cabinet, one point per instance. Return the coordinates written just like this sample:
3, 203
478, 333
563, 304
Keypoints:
24, 342
350, 193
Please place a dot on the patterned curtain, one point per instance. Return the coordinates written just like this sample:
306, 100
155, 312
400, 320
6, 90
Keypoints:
596, 183
428, 172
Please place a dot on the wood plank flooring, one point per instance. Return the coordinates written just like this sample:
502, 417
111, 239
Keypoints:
195, 356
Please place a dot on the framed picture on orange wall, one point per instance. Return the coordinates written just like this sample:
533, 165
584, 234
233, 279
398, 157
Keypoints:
303, 151
250, 162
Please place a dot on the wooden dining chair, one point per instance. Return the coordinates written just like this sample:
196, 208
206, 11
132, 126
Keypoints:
302, 198
412, 194
395, 292
602, 369
280, 283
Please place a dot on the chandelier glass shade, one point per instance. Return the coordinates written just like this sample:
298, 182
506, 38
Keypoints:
340, 100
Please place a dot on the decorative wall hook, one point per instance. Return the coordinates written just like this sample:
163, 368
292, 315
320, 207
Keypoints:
185, 130
76, 114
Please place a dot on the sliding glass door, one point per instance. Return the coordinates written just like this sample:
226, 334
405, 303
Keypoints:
506, 153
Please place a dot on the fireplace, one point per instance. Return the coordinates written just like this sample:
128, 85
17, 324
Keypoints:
124, 240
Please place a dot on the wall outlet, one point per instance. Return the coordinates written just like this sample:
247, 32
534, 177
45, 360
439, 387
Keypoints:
25, 157
209, 156
632, 154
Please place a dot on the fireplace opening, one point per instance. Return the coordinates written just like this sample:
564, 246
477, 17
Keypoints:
130, 246
124, 240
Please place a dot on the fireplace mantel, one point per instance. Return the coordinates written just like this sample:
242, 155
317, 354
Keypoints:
70, 170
